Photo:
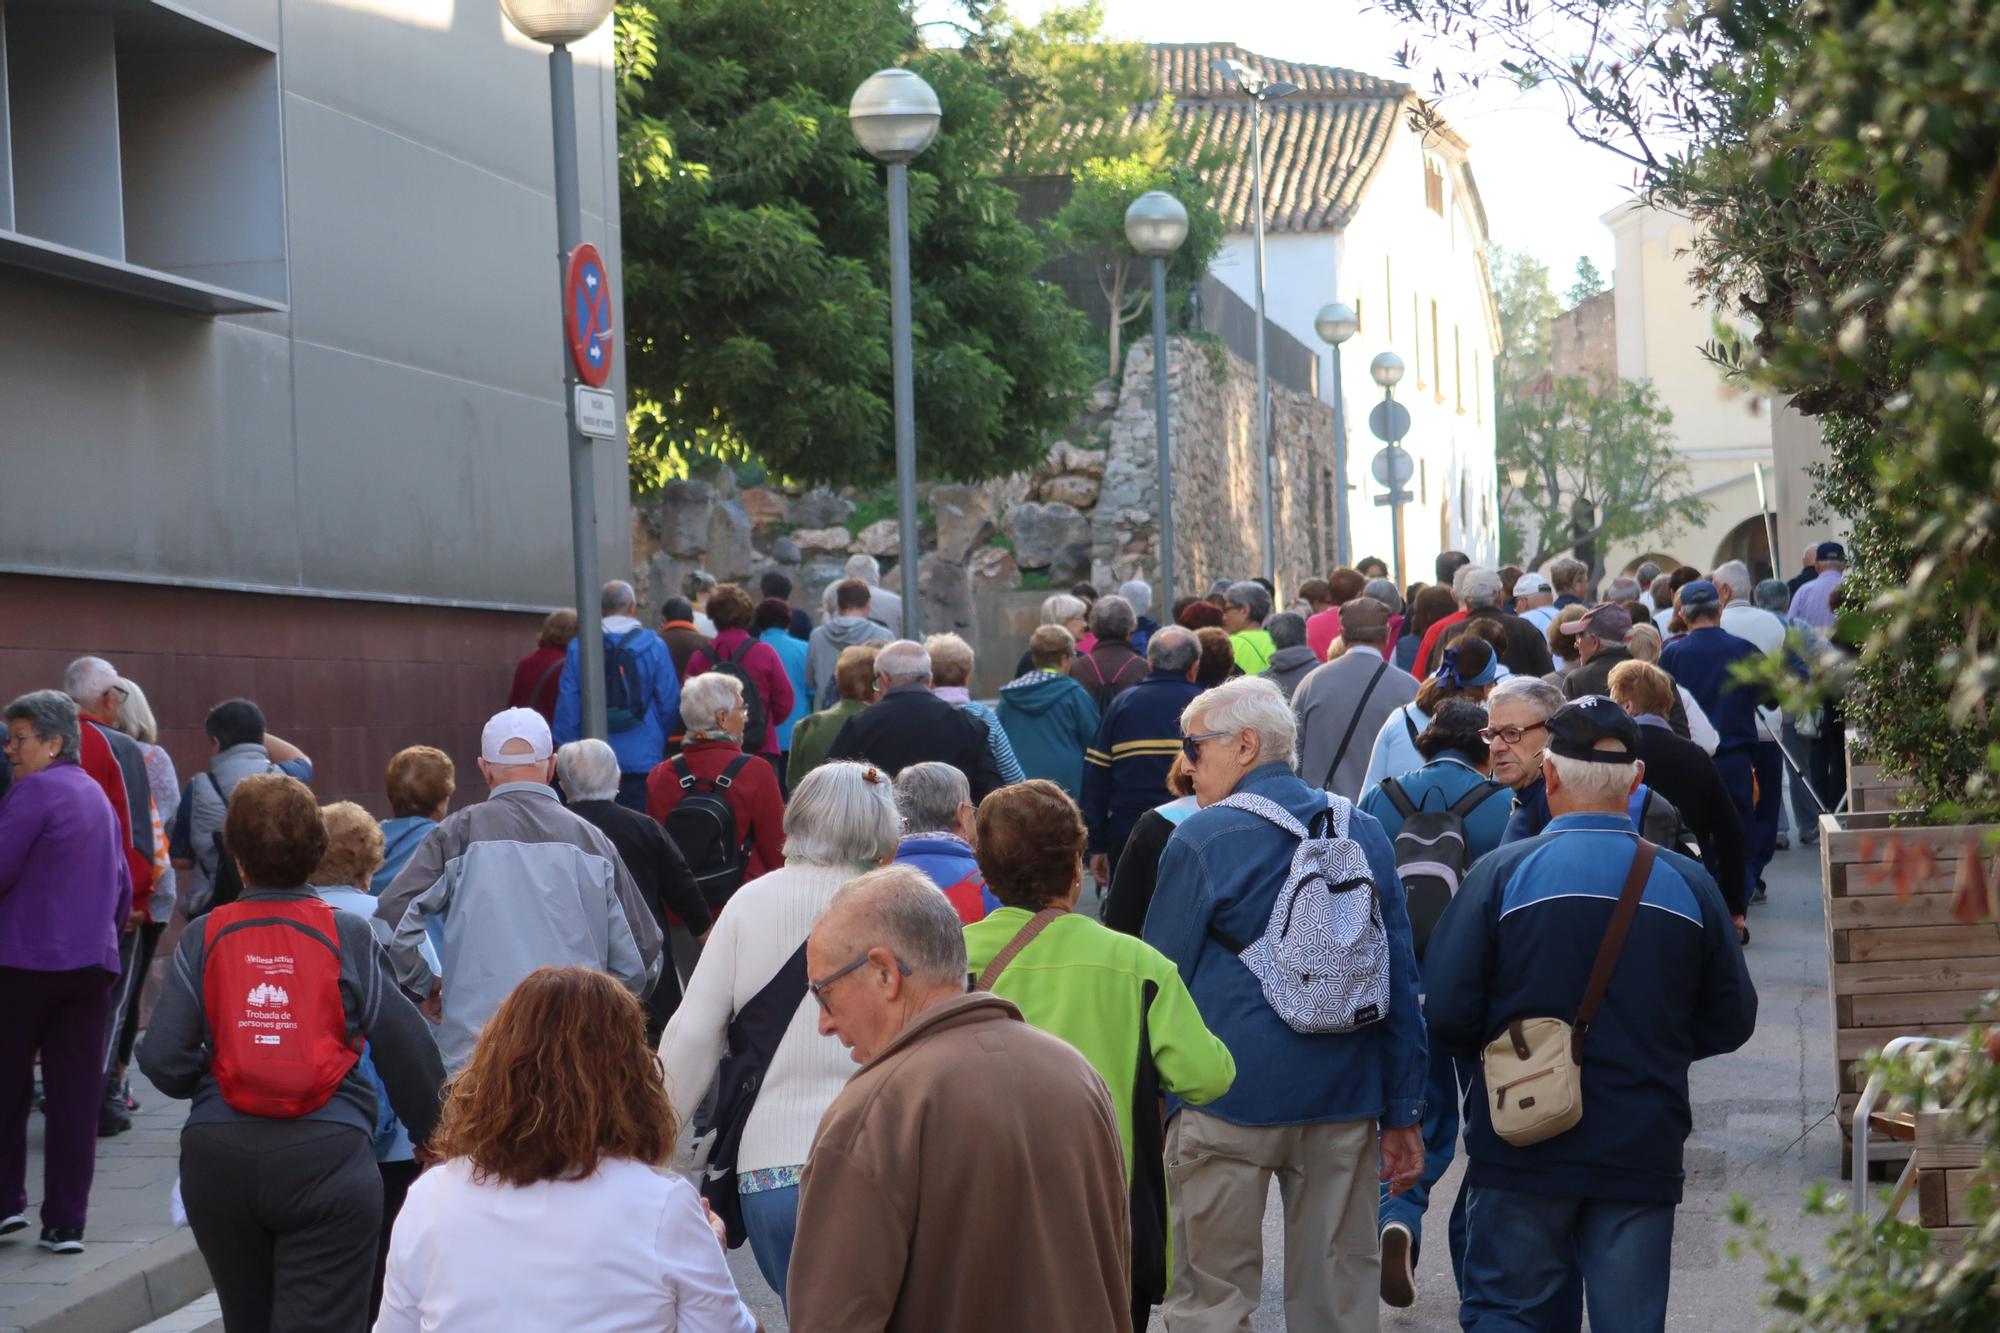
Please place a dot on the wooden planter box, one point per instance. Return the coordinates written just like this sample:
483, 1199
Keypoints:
1868, 791
1947, 1167
1899, 967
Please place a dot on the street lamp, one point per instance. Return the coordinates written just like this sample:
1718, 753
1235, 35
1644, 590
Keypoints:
558, 23
1155, 226
1387, 370
895, 116
1260, 91
1335, 324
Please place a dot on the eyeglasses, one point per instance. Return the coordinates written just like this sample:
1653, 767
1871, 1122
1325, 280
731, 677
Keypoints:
1511, 735
820, 988
1191, 746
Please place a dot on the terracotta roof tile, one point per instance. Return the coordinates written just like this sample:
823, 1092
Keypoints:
1187, 70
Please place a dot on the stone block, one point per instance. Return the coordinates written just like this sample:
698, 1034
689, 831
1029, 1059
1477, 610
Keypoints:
810, 540
1079, 492
1068, 457
730, 554
820, 508
765, 506
683, 509
1104, 396
879, 538
786, 551
1070, 565
1040, 531
995, 567
965, 517
946, 589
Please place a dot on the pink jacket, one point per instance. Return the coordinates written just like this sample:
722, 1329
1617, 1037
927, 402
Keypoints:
767, 672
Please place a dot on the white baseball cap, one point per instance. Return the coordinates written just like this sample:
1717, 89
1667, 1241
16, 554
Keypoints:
516, 724
1529, 585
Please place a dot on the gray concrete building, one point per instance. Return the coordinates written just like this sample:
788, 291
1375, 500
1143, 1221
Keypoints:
281, 408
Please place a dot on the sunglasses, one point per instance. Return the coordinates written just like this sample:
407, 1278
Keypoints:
820, 988
1191, 746
1511, 735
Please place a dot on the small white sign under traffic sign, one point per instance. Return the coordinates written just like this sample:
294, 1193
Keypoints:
596, 413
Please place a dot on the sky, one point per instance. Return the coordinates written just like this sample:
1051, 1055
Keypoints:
1544, 189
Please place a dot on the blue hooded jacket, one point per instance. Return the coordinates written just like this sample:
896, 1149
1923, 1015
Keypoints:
639, 749
1050, 720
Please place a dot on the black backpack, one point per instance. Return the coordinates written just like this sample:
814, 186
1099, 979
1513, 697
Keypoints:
225, 886
1432, 854
703, 826
624, 684
757, 727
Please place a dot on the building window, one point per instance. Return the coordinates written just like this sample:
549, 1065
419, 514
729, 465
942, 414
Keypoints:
1437, 359
1457, 370
1434, 187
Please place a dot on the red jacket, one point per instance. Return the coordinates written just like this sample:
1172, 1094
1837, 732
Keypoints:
767, 672
753, 797
101, 764
536, 681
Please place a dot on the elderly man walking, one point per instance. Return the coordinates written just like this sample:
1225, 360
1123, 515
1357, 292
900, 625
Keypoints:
908, 724
521, 883
1342, 705
1330, 1113
1704, 661
1535, 933
1125, 768
642, 692
938, 832
1811, 603
970, 1177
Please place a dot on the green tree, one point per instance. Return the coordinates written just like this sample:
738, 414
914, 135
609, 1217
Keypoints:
1597, 463
1068, 93
756, 252
1589, 282
1528, 308
1092, 224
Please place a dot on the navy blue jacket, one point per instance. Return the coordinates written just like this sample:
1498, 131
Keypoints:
1518, 941
1225, 867
1703, 661
1125, 768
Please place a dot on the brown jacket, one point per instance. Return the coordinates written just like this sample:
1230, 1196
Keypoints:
969, 1178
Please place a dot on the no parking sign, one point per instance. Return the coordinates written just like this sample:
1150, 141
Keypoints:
587, 314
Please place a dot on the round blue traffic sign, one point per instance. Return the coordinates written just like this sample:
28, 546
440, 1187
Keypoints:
587, 314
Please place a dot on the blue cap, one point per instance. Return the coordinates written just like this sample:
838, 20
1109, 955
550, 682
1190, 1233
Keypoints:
1833, 551
1699, 593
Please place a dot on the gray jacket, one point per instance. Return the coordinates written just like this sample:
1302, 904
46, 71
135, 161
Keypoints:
828, 642
1291, 665
1329, 706
520, 883
208, 795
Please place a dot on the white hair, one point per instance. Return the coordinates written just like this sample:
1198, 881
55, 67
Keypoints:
707, 697
1528, 690
135, 715
617, 596
905, 659
1735, 576
842, 814
589, 770
929, 795
827, 599
864, 567
1480, 587
87, 678
1592, 782
1248, 703
1139, 593
1061, 607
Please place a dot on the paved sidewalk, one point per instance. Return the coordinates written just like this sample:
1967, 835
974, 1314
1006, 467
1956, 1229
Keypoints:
136, 1266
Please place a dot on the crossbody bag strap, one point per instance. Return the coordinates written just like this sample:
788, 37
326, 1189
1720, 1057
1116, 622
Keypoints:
1022, 939
1354, 722
1613, 942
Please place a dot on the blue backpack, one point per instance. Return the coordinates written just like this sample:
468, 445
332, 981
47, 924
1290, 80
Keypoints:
624, 684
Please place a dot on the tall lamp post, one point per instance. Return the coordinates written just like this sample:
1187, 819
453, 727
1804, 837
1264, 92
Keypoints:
1335, 324
1156, 225
1387, 370
558, 23
1260, 91
895, 116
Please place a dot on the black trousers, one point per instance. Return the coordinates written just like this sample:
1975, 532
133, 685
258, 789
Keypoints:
397, 1177
288, 1214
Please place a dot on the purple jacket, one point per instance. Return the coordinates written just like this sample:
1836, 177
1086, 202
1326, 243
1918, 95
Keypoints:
65, 890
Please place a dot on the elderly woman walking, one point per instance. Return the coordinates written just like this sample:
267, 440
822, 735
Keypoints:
65, 894
951, 681
748, 996
712, 763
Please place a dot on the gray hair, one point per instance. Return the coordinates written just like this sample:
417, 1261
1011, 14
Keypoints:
52, 714
951, 659
698, 583
1287, 629
1251, 597
1384, 591
1248, 703
1735, 576
929, 795
87, 678
842, 814
1060, 607
1624, 588
1593, 782
1139, 593
588, 769
617, 596
827, 599
1532, 690
905, 659
1564, 573
1173, 648
864, 567
135, 715
1480, 587
1774, 595
1113, 618
1646, 572
707, 697
898, 908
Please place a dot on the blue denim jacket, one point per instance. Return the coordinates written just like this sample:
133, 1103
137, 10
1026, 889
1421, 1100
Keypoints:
1226, 867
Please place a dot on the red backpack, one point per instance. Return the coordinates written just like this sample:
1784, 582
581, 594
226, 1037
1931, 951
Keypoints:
271, 986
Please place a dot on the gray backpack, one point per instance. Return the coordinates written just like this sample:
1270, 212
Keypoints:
1323, 959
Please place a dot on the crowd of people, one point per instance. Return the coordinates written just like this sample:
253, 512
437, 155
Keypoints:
813, 925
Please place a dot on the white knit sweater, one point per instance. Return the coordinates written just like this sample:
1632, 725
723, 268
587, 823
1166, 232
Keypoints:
764, 923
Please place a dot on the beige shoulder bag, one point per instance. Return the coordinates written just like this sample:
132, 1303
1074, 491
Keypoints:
1534, 1070
1022, 938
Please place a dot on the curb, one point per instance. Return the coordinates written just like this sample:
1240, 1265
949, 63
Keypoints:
121, 1296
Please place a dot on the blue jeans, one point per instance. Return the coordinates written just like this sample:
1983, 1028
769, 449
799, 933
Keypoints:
1523, 1252
1441, 1104
771, 1220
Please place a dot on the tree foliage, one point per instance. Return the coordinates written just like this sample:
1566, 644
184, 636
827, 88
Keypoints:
1092, 224
1589, 282
1599, 465
755, 237
1528, 310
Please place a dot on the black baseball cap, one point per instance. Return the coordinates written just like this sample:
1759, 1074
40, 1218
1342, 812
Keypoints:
1579, 727
1833, 551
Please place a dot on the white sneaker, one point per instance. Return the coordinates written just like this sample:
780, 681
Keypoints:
14, 1223
1399, 1275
